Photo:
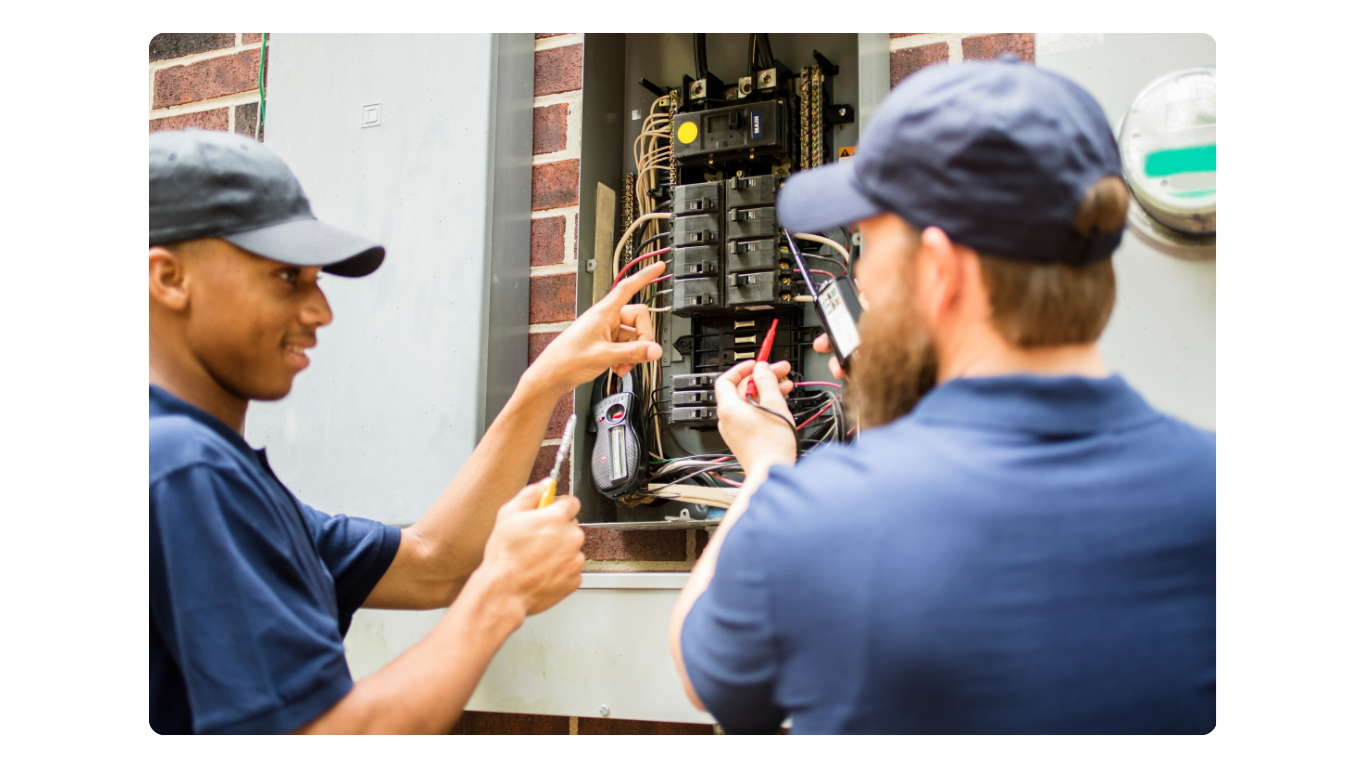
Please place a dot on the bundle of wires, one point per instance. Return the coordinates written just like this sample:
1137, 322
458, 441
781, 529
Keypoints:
653, 154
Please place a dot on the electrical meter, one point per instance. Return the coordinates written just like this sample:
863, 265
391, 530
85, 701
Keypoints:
1167, 148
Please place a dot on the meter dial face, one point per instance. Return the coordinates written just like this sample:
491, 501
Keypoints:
1167, 146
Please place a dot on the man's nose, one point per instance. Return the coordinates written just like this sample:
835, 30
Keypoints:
316, 312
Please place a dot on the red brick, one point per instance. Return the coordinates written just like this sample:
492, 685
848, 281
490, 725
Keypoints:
507, 724
554, 185
990, 46
545, 460
907, 60
559, 69
536, 344
552, 298
543, 35
251, 37
605, 544
547, 241
607, 726
174, 45
208, 120
559, 416
548, 128
206, 79
244, 121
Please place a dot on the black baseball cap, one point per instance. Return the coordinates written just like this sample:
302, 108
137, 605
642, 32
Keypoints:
998, 154
218, 184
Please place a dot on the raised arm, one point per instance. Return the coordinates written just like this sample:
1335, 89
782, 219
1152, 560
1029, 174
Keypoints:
439, 552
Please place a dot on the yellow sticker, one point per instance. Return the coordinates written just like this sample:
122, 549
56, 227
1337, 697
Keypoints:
687, 133
847, 154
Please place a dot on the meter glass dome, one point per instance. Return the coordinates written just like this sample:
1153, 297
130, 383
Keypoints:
1167, 147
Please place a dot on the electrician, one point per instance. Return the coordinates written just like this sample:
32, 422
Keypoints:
1017, 542
251, 589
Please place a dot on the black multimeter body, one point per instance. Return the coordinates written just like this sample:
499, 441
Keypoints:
837, 304
618, 460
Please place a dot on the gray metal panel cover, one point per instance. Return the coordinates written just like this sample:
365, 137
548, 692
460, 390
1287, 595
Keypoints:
1161, 335
422, 354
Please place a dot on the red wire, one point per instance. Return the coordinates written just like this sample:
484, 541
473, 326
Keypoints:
636, 261
660, 279
823, 409
817, 384
725, 480
821, 272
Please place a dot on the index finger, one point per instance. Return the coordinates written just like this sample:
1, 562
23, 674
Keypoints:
637, 318
629, 286
728, 383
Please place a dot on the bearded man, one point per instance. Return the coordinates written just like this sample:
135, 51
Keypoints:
1017, 542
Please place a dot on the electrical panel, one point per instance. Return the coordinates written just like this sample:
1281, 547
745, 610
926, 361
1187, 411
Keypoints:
707, 159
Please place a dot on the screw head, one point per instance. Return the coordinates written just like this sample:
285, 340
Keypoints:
604, 711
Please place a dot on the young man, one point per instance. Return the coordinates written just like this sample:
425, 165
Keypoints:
1017, 543
251, 589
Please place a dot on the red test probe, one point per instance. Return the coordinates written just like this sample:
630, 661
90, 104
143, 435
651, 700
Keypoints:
764, 350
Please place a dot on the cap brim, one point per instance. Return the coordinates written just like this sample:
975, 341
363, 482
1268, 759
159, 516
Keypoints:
824, 198
311, 243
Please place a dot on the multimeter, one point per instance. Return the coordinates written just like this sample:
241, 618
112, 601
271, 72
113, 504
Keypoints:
838, 306
618, 458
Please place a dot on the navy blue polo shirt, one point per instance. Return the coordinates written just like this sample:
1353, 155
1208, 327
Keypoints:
1018, 555
251, 590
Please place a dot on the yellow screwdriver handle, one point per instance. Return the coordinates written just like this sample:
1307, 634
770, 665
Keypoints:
548, 497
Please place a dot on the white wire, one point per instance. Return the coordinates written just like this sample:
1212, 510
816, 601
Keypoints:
616, 256
825, 242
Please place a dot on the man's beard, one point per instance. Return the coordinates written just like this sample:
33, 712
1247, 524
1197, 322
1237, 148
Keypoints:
896, 364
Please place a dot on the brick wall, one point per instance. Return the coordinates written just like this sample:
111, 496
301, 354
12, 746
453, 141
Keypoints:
203, 80
555, 147
914, 50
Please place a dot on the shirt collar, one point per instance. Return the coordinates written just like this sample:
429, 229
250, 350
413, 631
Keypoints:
163, 403
1044, 405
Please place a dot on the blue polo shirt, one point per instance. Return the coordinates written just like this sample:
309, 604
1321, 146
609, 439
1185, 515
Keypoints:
1018, 555
251, 590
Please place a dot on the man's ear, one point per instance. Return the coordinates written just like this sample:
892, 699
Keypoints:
167, 280
939, 272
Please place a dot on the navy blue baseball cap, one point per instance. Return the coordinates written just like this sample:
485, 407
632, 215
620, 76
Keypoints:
998, 154
218, 184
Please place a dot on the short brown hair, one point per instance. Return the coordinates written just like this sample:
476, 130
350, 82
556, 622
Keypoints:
1041, 305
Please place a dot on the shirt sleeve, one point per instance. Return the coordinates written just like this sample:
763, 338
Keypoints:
258, 651
356, 551
729, 645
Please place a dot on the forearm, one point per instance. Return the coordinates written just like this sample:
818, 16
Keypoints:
703, 570
425, 689
451, 534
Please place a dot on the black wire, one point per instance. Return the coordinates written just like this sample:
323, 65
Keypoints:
649, 240
796, 439
766, 50
840, 262
699, 54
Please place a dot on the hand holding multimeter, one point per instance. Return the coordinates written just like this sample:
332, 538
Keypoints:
839, 308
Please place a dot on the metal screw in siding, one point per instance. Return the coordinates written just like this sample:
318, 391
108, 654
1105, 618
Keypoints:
604, 711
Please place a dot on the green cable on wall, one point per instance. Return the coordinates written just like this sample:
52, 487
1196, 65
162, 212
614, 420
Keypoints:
260, 87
